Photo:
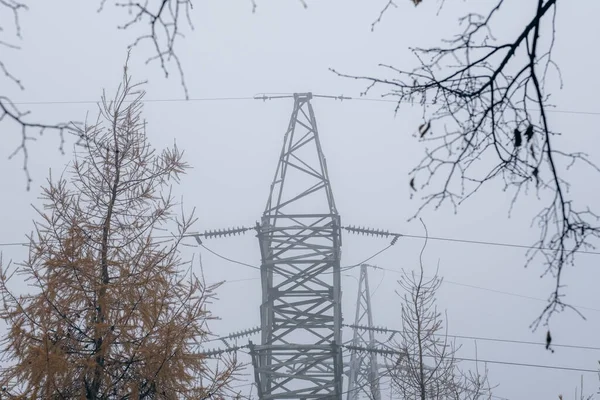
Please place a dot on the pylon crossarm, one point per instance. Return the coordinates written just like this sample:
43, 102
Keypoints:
373, 232
218, 351
237, 335
376, 350
217, 233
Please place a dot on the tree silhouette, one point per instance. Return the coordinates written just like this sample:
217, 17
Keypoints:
486, 103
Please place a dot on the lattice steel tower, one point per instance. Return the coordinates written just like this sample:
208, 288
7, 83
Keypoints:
299, 355
363, 376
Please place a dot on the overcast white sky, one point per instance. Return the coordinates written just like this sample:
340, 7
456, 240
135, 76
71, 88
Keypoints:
70, 53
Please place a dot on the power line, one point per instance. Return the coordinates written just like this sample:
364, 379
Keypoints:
552, 110
344, 269
364, 261
568, 346
439, 238
490, 290
388, 374
385, 234
512, 341
499, 244
499, 362
246, 98
515, 294
191, 100
528, 365
195, 235
386, 269
542, 366
453, 283
229, 259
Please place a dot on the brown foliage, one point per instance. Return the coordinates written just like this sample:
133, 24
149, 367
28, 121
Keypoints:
114, 312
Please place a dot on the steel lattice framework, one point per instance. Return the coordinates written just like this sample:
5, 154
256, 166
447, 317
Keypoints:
363, 376
299, 355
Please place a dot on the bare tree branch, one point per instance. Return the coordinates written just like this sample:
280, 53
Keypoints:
163, 22
389, 4
9, 112
485, 105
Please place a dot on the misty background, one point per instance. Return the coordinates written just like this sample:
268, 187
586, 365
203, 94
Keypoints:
70, 53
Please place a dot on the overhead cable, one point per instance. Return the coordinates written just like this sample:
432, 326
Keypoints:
387, 330
266, 96
387, 352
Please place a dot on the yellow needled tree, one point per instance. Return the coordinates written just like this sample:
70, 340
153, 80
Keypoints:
115, 312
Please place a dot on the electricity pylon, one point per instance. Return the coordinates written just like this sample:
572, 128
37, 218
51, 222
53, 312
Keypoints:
299, 235
363, 376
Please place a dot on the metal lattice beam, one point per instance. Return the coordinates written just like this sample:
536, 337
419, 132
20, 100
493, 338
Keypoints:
300, 242
363, 376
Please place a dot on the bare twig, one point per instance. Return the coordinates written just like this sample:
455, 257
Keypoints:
15, 8
389, 4
163, 22
9, 112
485, 107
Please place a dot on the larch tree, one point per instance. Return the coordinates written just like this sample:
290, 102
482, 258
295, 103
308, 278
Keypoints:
114, 312
426, 367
